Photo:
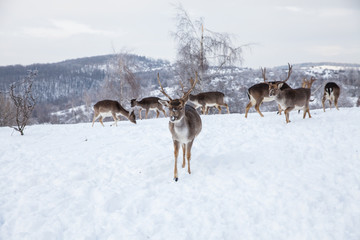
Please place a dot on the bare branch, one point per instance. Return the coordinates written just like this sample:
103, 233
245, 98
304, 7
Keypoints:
23, 100
162, 89
199, 48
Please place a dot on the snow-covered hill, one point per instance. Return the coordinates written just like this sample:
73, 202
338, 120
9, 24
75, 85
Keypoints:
255, 178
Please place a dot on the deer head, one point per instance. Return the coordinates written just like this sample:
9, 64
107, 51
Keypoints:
274, 88
176, 106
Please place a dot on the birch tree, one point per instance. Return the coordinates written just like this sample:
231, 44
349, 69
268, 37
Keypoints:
198, 48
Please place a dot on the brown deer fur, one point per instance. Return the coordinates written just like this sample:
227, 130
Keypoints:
209, 99
184, 125
259, 93
331, 93
148, 103
110, 108
290, 99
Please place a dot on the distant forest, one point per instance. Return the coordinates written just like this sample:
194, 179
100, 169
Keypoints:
61, 88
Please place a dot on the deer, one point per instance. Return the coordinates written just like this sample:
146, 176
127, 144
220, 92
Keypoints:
290, 99
110, 108
205, 100
148, 103
184, 125
331, 93
259, 93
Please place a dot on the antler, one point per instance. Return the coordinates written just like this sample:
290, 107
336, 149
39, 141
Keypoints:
182, 86
263, 70
162, 89
192, 87
289, 72
304, 83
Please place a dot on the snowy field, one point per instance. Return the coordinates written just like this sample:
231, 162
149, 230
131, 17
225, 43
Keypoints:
255, 178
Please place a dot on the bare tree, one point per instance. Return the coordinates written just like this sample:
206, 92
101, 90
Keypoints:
24, 101
121, 82
6, 110
198, 47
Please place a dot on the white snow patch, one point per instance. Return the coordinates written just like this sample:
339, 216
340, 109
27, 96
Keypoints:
254, 178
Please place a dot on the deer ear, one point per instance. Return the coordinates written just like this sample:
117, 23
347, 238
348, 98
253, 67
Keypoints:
165, 103
280, 85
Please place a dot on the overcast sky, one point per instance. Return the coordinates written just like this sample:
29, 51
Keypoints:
279, 31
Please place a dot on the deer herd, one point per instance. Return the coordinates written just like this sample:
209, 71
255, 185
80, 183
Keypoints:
185, 122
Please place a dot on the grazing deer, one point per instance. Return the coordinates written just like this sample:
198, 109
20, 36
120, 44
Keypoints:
184, 125
331, 93
109, 108
290, 99
259, 93
205, 100
149, 103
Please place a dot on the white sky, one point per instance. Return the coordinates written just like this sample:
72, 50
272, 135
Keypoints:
281, 31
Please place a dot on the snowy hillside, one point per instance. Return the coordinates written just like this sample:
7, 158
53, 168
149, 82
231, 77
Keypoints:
255, 178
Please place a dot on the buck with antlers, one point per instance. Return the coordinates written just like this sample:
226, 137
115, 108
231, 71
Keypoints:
290, 99
110, 108
331, 93
205, 100
308, 83
184, 125
259, 93
149, 103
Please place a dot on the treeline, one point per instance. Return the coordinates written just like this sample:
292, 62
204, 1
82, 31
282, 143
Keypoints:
63, 87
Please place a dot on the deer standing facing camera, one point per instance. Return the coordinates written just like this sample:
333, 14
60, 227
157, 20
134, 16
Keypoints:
184, 125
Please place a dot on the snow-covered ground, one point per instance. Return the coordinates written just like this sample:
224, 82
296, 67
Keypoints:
255, 178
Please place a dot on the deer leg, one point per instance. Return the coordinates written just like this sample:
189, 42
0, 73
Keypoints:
330, 103
203, 109
176, 154
207, 110
287, 111
257, 107
157, 113
280, 109
184, 150
248, 106
115, 118
164, 112
100, 120
188, 154
146, 113
140, 113
323, 102
336, 103
218, 107
306, 110
227, 108
94, 119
